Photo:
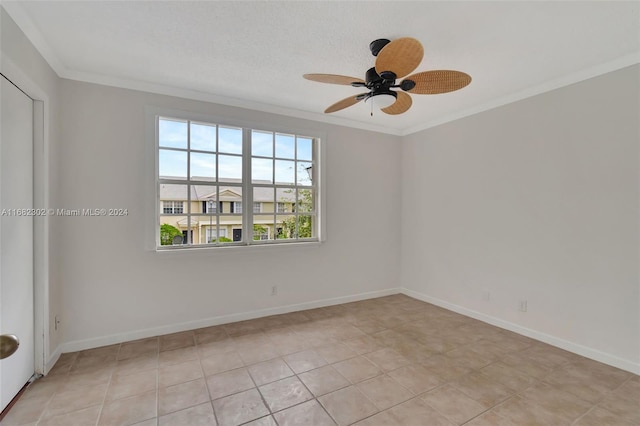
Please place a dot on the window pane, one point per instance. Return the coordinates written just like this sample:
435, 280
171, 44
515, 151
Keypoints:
305, 173
262, 227
172, 206
305, 226
230, 167
204, 199
172, 133
202, 225
172, 164
262, 170
230, 140
285, 227
305, 149
264, 196
203, 137
261, 143
230, 199
285, 146
203, 166
285, 171
286, 197
305, 201
232, 226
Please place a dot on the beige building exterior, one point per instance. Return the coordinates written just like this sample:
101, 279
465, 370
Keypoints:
216, 211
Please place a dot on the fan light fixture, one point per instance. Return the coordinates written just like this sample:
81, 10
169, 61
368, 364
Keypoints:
394, 59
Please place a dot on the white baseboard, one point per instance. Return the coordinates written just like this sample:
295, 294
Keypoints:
53, 358
576, 348
78, 345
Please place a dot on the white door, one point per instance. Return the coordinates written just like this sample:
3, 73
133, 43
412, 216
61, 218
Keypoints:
16, 237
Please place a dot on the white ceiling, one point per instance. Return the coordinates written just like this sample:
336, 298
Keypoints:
253, 54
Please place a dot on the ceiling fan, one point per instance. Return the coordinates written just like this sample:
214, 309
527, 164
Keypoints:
394, 59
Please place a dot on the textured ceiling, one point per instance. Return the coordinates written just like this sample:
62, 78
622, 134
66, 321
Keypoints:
253, 54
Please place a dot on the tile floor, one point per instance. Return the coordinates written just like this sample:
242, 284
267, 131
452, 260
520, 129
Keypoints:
387, 361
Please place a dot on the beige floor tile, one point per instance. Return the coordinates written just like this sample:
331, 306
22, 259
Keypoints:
239, 408
348, 405
415, 378
229, 382
284, 393
306, 414
27, 411
559, 403
181, 396
123, 386
138, 348
304, 361
363, 344
414, 412
323, 380
179, 373
259, 353
490, 418
335, 352
76, 399
220, 362
137, 364
387, 359
87, 416
357, 369
210, 334
128, 411
510, 377
601, 417
269, 371
177, 356
384, 391
173, 341
263, 421
448, 364
453, 404
525, 412
486, 390
200, 415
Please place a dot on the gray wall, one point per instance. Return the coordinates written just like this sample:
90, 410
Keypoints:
116, 289
537, 201
23, 65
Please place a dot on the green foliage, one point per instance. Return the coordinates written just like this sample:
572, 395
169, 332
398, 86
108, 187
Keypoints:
222, 240
258, 230
167, 232
305, 225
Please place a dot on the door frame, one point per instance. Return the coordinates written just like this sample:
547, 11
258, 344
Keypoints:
43, 359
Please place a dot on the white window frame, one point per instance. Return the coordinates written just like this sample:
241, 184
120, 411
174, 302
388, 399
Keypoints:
319, 147
257, 207
175, 205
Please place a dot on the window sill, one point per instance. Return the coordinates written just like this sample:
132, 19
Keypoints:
241, 248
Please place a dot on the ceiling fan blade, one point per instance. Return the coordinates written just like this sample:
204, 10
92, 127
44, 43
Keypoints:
346, 102
333, 79
402, 104
438, 81
401, 56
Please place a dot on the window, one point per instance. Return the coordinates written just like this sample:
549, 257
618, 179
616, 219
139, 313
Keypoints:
172, 207
207, 171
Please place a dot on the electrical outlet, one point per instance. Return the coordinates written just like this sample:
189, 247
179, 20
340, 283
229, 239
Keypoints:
274, 290
523, 306
56, 322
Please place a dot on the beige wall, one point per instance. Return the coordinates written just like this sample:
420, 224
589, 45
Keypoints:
539, 201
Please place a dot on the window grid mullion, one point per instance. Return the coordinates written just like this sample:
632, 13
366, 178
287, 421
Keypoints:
247, 187
189, 232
